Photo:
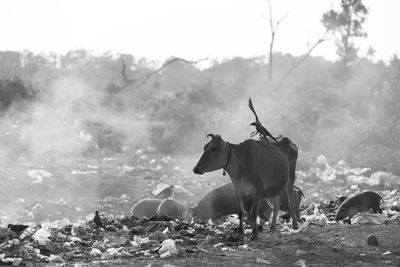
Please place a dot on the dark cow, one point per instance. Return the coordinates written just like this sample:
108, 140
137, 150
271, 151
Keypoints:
256, 168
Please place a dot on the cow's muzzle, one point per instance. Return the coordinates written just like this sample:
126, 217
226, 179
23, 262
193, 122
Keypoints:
196, 170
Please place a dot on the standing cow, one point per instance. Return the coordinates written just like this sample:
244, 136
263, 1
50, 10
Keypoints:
256, 168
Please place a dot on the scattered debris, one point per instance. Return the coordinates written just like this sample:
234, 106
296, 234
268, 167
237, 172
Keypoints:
300, 252
372, 240
258, 260
301, 263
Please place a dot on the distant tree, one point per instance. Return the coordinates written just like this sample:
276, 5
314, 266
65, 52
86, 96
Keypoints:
345, 25
273, 29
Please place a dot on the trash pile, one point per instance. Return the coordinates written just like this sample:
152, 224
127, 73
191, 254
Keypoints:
59, 229
342, 173
123, 237
325, 182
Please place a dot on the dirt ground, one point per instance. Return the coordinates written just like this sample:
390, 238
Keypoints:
315, 245
330, 245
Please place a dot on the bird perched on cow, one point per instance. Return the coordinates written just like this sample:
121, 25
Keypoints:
260, 129
17, 228
97, 220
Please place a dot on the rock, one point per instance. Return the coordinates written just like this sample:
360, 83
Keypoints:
372, 240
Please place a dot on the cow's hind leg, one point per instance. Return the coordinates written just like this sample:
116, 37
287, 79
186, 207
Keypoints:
240, 206
290, 195
276, 201
254, 214
296, 200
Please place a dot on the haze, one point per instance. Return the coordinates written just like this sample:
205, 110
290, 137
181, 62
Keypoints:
191, 29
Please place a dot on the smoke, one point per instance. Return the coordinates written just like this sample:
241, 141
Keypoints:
56, 133
67, 120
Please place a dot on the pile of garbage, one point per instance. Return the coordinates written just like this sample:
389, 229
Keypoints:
341, 172
122, 237
159, 237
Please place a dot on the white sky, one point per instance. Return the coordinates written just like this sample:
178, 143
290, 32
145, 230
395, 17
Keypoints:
158, 29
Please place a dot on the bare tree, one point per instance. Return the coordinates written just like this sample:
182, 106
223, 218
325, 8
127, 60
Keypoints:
273, 29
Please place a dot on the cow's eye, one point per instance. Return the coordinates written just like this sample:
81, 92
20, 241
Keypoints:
213, 148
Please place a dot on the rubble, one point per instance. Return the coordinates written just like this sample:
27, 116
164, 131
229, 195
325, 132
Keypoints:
62, 231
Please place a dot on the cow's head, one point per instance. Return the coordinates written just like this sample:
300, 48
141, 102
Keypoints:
216, 155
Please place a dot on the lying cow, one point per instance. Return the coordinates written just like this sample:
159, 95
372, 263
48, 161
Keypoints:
147, 208
221, 201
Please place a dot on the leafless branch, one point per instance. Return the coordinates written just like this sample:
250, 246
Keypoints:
300, 61
143, 79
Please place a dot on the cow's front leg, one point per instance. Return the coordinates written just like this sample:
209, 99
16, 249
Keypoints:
254, 214
240, 206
